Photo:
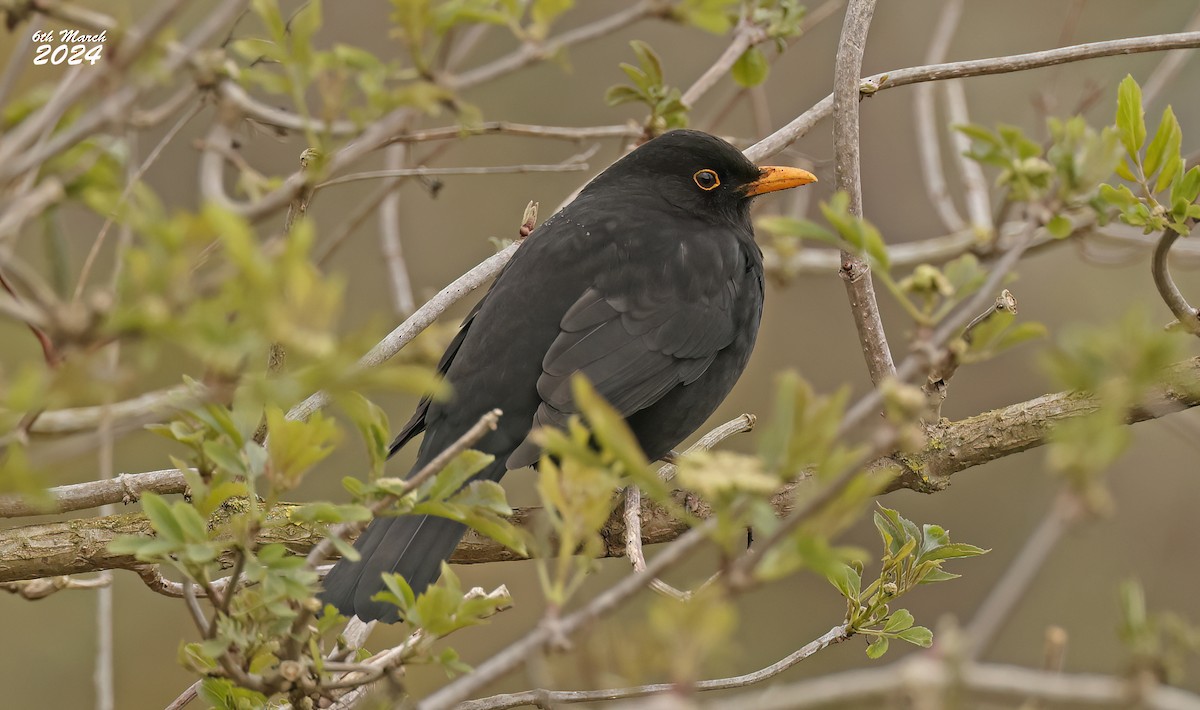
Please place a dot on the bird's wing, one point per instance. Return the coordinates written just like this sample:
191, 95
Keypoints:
633, 348
416, 424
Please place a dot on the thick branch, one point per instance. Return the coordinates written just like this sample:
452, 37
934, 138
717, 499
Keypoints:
77, 546
125, 488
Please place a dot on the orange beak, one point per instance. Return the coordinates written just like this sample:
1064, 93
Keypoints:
772, 178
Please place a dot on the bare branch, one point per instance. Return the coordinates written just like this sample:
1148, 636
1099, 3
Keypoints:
34, 589
548, 698
473, 170
1186, 314
391, 245
124, 488
118, 103
856, 273
975, 185
928, 672
1065, 511
420, 320
745, 36
531, 51
79, 546
1168, 68
927, 123
520, 651
803, 123
130, 185
519, 129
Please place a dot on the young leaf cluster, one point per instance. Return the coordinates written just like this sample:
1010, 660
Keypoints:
1166, 189
912, 556
667, 110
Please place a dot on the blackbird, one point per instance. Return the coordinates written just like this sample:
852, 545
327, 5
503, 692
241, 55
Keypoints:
649, 283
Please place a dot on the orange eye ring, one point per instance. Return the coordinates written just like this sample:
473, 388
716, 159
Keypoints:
706, 179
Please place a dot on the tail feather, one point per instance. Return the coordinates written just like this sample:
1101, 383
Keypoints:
412, 545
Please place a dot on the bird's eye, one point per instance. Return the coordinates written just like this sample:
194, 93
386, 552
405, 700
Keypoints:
706, 179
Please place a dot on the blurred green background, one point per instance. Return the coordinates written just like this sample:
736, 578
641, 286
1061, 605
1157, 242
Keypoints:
50, 644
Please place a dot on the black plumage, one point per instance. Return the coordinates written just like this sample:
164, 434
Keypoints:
649, 283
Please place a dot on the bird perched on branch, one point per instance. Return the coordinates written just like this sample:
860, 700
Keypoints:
649, 283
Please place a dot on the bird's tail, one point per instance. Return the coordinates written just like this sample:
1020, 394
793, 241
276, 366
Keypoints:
412, 545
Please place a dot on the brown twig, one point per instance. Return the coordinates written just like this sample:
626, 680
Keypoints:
855, 271
391, 246
928, 672
926, 122
548, 698
803, 123
1000, 602
1185, 313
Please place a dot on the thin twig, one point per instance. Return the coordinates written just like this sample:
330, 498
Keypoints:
927, 124
34, 589
391, 245
521, 650
1000, 602
169, 136
548, 698
975, 185
568, 133
989, 680
936, 384
473, 170
855, 272
1168, 68
417, 322
633, 544
531, 51
803, 123
745, 36
117, 104
1185, 313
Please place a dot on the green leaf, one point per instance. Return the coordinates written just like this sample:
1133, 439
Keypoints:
978, 133
1188, 188
878, 647
1165, 144
918, 636
162, 518
545, 12
953, 550
751, 68
649, 62
1131, 119
1121, 197
621, 94
1172, 164
304, 24
846, 580
1124, 171
900, 620
1059, 226
937, 575
799, 228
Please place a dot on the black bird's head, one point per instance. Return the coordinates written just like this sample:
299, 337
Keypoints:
697, 173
